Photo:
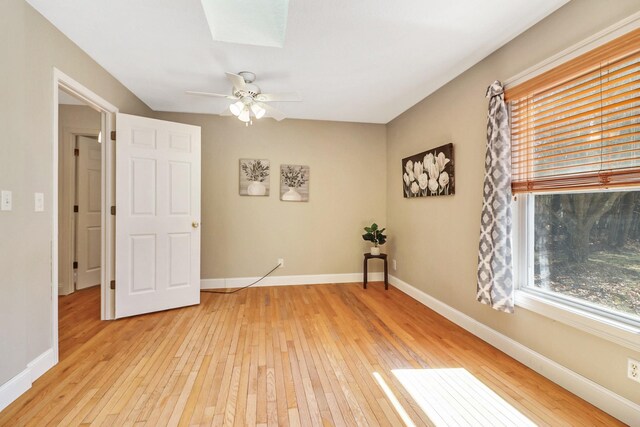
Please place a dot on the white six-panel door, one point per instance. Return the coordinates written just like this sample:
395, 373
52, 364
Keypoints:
157, 216
88, 231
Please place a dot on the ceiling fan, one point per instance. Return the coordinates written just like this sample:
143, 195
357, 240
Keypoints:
250, 101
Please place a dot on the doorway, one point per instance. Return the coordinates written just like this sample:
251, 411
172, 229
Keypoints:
97, 239
79, 195
158, 183
79, 224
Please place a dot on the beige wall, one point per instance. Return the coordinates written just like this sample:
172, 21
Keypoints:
435, 240
29, 49
73, 120
244, 236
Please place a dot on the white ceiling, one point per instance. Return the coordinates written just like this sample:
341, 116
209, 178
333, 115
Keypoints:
353, 60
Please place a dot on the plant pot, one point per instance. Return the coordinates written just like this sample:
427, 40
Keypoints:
256, 188
375, 250
292, 195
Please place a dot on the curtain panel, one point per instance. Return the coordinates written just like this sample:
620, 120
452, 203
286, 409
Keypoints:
495, 272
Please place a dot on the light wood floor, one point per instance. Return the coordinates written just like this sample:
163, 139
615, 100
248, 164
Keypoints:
297, 355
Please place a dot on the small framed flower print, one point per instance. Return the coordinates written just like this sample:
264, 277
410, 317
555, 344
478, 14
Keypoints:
254, 177
294, 183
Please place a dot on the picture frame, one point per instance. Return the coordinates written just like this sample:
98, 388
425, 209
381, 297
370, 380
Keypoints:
254, 177
294, 183
429, 173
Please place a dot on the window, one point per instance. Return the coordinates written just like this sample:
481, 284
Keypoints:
585, 248
576, 171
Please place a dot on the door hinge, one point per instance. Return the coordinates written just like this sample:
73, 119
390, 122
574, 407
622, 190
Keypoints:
113, 210
75, 208
76, 152
75, 265
113, 284
113, 135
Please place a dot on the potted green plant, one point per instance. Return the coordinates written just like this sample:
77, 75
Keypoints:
376, 236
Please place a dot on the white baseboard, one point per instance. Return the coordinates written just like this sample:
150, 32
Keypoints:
22, 382
64, 290
13, 388
41, 364
610, 402
308, 279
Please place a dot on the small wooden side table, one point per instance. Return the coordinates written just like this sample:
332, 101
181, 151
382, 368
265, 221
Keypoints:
383, 257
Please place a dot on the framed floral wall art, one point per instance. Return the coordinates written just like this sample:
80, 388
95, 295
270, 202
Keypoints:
294, 183
429, 173
254, 177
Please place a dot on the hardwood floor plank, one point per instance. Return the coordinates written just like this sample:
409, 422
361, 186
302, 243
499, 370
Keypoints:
296, 355
281, 392
205, 404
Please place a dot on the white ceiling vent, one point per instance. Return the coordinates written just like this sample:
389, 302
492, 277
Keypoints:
254, 22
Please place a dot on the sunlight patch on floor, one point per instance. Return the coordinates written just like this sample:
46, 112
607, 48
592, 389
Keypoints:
394, 400
454, 397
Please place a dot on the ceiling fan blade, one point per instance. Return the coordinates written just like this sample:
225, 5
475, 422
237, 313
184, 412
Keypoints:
237, 81
279, 97
273, 112
215, 95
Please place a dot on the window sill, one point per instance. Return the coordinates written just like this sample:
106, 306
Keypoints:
618, 332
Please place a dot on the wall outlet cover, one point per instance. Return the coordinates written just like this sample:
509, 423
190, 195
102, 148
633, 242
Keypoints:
633, 370
5, 200
38, 202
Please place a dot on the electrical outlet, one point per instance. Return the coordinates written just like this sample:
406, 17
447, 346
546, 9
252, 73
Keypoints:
394, 264
5, 200
633, 370
38, 202
281, 262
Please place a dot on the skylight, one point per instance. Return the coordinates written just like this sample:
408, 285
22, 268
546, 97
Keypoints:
253, 22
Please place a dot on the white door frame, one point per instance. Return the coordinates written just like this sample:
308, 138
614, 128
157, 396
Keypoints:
61, 80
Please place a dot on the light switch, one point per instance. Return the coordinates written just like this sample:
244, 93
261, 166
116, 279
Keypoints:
5, 200
39, 202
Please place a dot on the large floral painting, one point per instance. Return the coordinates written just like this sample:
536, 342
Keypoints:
429, 173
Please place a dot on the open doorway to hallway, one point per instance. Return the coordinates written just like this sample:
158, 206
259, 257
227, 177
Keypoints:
79, 220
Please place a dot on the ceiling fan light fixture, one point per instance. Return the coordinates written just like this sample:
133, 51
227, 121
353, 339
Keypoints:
236, 108
245, 115
248, 100
258, 111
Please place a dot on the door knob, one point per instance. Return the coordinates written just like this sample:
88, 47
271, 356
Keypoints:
195, 224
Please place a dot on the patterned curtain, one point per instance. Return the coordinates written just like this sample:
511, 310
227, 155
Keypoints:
495, 276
